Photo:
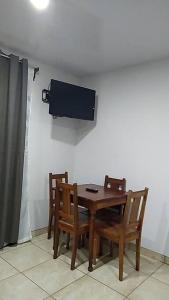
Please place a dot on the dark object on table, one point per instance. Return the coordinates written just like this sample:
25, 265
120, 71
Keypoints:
92, 190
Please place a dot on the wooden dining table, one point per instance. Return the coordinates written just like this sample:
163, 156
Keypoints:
95, 201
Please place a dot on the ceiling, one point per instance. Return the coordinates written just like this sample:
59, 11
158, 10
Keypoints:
87, 36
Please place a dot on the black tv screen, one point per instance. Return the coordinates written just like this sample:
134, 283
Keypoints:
72, 101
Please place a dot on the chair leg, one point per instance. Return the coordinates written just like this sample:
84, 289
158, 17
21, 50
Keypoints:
83, 240
68, 241
79, 242
50, 223
121, 211
96, 248
121, 258
56, 242
74, 251
100, 253
111, 248
138, 244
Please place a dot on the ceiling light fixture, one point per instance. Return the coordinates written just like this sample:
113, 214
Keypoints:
40, 4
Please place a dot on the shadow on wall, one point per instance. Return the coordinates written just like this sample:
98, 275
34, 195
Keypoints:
64, 130
72, 131
166, 246
161, 234
39, 207
161, 238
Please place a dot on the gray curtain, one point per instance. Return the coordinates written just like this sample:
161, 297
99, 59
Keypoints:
13, 102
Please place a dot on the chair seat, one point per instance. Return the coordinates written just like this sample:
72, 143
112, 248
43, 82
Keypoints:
113, 230
128, 229
83, 223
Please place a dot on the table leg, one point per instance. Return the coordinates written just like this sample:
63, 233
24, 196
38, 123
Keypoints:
91, 240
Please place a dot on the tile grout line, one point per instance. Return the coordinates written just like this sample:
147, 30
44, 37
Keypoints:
84, 275
36, 265
14, 275
161, 281
35, 284
87, 274
107, 286
11, 265
26, 246
150, 275
60, 258
147, 277
12, 248
28, 268
69, 264
21, 272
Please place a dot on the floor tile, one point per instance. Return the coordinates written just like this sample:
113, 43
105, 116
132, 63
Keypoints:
6, 270
87, 288
40, 237
99, 262
151, 289
162, 274
53, 275
147, 265
81, 257
11, 248
109, 273
26, 257
46, 245
20, 288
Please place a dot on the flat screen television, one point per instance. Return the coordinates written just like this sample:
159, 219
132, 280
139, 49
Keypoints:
72, 101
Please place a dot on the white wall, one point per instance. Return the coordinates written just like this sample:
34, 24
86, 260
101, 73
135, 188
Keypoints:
131, 139
50, 145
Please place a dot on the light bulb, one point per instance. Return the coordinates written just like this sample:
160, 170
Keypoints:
40, 4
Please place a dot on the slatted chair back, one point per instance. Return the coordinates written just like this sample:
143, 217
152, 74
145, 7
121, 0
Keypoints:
134, 210
66, 204
53, 178
115, 184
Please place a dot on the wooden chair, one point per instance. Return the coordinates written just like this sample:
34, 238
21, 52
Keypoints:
115, 185
113, 214
53, 178
129, 229
68, 217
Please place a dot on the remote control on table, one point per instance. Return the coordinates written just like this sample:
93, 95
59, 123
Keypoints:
92, 190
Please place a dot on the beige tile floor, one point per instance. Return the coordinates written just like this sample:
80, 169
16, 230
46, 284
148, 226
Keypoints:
28, 272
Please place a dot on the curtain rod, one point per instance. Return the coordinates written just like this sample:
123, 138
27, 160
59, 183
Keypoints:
35, 68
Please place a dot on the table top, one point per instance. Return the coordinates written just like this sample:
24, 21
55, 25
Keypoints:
103, 195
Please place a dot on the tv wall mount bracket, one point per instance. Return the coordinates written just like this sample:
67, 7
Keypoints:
45, 96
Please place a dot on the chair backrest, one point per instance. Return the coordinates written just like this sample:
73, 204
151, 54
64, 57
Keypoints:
134, 210
53, 178
115, 184
66, 203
